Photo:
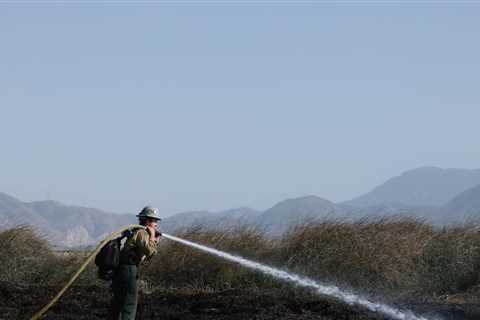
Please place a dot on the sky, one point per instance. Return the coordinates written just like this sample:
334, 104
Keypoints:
212, 106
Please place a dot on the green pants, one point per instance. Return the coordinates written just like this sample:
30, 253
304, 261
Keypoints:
125, 295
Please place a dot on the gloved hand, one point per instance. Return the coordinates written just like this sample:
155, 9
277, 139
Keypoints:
151, 231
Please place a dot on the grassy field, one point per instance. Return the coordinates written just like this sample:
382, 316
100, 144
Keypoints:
393, 257
402, 261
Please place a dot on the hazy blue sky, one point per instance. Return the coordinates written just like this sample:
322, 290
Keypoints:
214, 107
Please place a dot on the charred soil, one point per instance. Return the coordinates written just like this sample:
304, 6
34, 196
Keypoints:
21, 302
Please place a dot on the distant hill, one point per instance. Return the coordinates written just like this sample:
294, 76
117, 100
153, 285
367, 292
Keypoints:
221, 219
14, 212
427, 186
286, 213
62, 225
430, 214
464, 206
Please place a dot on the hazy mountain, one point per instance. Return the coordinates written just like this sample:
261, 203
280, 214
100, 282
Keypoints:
426, 186
429, 213
14, 212
183, 219
464, 206
221, 219
286, 213
96, 222
60, 224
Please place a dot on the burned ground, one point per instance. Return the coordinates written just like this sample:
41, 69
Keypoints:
91, 302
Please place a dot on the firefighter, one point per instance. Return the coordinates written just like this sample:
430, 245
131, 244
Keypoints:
138, 248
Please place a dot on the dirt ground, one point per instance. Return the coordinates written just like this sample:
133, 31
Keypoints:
21, 302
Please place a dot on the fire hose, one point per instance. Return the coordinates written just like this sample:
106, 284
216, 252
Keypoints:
91, 256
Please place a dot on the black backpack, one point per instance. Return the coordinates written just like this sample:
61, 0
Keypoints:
108, 258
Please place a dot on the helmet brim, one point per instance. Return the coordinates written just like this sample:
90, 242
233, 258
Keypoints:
147, 217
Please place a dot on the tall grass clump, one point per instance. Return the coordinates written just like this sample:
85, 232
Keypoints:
28, 258
179, 266
25, 256
394, 255
450, 260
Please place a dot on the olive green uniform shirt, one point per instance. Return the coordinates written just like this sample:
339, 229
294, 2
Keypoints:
140, 247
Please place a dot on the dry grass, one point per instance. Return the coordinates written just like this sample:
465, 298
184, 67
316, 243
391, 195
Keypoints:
393, 256
28, 258
450, 261
177, 265
370, 254
25, 256
396, 255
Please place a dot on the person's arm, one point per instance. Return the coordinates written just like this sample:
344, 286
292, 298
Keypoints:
146, 243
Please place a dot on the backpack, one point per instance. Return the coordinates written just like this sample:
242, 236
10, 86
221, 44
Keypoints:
108, 258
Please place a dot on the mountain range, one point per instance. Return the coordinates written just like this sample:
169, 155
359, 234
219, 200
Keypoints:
427, 186
437, 195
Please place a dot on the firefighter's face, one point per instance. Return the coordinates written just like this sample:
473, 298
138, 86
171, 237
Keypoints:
151, 223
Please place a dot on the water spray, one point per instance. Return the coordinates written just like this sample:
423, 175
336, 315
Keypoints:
323, 289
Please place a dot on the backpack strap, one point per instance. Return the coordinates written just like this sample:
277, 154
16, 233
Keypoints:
128, 255
129, 233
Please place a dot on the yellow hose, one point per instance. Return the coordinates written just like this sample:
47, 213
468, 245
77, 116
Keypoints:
92, 255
